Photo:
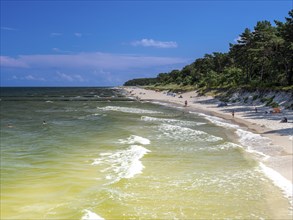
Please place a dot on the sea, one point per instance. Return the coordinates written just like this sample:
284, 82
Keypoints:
94, 153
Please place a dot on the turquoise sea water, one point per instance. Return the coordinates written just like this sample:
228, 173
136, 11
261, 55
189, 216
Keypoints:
100, 155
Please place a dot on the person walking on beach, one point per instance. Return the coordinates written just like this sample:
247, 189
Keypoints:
233, 112
185, 103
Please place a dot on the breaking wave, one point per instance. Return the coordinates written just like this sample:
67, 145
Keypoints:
279, 181
89, 215
186, 134
128, 110
170, 121
218, 121
123, 164
134, 139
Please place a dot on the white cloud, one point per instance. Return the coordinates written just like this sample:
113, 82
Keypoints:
8, 29
77, 34
70, 78
29, 78
89, 61
85, 68
153, 43
57, 50
107, 76
54, 34
65, 77
6, 61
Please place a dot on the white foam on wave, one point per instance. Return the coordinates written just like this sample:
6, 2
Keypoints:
134, 139
89, 116
128, 110
254, 143
226, 146
160, 103
285, 185
123, 164
215, 148
217, 121
89, 215
186, 134
171, 121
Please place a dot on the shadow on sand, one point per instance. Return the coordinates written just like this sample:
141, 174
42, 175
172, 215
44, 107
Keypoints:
249, 112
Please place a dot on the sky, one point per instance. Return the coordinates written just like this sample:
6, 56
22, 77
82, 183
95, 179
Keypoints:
105, 43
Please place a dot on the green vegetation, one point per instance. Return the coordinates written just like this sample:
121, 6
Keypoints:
141, 82
171, 87
262, 58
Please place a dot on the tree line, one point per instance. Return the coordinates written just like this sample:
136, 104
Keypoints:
262, 57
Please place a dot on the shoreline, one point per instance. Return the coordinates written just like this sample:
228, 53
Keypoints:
268, 126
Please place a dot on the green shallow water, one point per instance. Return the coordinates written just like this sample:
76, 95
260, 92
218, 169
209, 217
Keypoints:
123, 159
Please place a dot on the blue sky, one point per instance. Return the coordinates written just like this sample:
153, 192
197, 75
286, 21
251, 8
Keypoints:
105, 43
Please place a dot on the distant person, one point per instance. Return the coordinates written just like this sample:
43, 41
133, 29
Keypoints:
185, 104
233, 112
284, 120
255, 109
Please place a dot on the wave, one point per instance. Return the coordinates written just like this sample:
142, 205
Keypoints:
89, 215
255, 143
89, 117
133, 139
160, 103
128, 110
217, 121
285, 185
123, 164
57, 110
215, 148
170, 121
226, 146
186, 134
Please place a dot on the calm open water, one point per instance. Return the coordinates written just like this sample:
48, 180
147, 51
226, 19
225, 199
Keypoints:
100, 155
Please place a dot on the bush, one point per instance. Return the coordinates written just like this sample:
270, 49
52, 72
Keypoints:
255, 97
270, 101
274, 105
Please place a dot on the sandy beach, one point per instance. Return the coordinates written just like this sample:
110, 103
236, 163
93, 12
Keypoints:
265, 124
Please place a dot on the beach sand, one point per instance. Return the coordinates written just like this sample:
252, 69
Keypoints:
266, 124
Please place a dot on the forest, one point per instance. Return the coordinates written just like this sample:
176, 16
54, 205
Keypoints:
261, 58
